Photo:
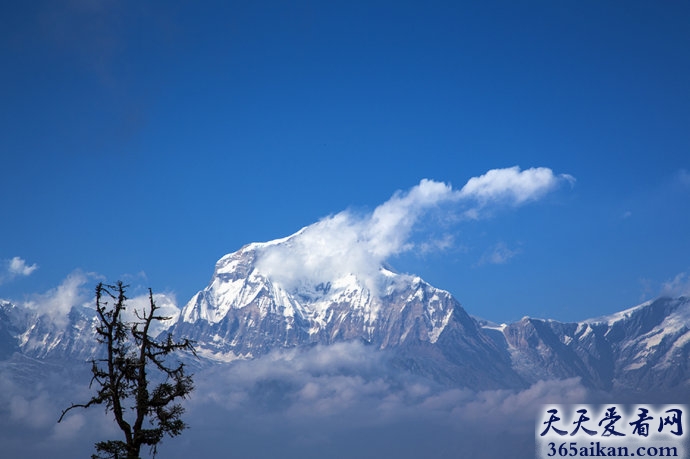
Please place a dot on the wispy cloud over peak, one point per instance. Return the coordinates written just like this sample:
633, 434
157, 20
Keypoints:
678, 286
389, 226
347, 243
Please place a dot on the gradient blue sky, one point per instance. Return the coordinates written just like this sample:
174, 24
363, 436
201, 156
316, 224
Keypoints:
144, 140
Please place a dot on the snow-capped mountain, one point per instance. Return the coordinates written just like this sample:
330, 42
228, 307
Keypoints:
37, 335
8, 330
245, 313
644, 347
250, 313
250, 309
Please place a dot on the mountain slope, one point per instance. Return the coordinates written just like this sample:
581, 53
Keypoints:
642, 348
245, 313
39, 336
251, 308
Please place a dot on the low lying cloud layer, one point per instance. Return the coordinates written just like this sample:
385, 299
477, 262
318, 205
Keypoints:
350, 378
347, 242
340, 401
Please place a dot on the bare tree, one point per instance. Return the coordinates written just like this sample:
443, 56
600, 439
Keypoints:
145, 415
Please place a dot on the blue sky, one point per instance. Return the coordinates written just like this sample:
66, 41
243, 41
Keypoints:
145, 141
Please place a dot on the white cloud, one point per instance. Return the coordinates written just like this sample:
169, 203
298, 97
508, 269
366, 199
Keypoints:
347, 243
346, 379
683, 177
31, 411
15, 267
20, 268
513, 186
70, 428
138, 305
56, 303
678, 286
389, 226
309, 401
499, 254
437, 244
75, 290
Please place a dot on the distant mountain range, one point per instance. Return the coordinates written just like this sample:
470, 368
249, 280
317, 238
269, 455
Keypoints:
245, 313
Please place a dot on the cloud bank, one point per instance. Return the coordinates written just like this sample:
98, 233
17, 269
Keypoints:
340, 401
350, 378
350, 243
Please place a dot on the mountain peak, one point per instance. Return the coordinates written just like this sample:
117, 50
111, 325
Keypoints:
251, 294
